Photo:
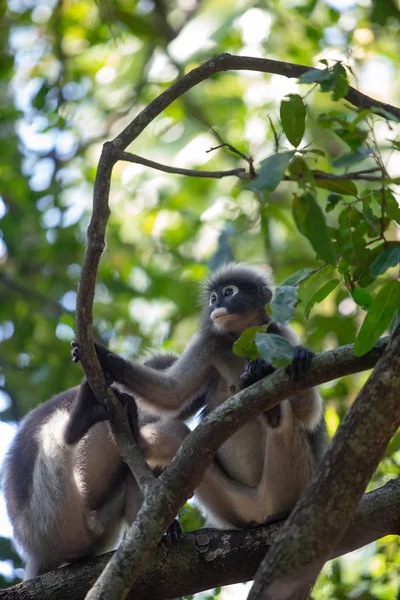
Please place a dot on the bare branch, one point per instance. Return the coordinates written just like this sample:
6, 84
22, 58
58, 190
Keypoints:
134, 158
179, 480
326, 507
211, 558
229, 62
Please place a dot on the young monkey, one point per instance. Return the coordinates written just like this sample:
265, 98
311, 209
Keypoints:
69, 495
263, 468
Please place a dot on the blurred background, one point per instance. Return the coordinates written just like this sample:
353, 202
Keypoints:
72, 75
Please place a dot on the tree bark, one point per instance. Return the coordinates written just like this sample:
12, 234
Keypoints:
323, 513
210, 558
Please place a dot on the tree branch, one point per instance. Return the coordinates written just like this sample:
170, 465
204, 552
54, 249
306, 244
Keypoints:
179, 480
229, 62
211, 558
322, 515
134, 158
148, 529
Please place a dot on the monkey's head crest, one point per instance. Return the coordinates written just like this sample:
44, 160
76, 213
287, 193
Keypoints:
234, 297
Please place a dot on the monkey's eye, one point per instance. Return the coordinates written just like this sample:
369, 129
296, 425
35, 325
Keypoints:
230, 290
213, 298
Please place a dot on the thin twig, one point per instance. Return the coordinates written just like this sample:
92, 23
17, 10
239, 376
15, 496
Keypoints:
134, 158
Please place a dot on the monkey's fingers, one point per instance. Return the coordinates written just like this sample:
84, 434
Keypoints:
75, 354
255, 370
173, 533
302, 358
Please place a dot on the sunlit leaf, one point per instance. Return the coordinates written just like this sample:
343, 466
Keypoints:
297, 277
378, 317
274, 349
389, 258
271, 172
245, 346
311, 222
283, 303
362, 297
293, 118
351, 158
320, 295
340, 186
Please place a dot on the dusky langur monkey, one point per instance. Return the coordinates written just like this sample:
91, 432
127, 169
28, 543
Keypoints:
69, 495
263, 468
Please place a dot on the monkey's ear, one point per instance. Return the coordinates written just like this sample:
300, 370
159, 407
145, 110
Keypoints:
85, 413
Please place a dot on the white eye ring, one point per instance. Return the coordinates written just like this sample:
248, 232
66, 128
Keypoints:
229, 290
213, 298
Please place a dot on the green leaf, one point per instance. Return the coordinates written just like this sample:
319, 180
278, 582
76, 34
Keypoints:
320, 295
293, 118
378, 318
311, 222
315, 76
351, 158
340, 186
389, 258
274, 349
284, 303
308, 286
333, 200
340, 85
271, 172
392, 208
362, 298
297, 277
245, 346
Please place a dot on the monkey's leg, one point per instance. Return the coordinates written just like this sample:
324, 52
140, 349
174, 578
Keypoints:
54, 526
229, 504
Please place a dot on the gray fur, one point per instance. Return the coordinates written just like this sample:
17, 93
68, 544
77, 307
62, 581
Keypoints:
261, 470
70, 501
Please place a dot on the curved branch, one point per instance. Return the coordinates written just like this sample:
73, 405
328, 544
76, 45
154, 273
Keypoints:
134, 158
229, 62
211, 558
323, 513
177, 483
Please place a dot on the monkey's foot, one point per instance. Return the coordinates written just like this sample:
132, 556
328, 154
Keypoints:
302, 358
274, 416
93, 523
254, 371
173, 533
277, 517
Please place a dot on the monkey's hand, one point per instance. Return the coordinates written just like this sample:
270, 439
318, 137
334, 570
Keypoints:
76, 357
254, 371
173, 533
302, 358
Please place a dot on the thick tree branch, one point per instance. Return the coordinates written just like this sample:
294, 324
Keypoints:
209, 558
322, 515
134, 158
179, 480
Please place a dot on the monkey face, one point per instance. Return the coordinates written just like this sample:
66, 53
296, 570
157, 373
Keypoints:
236, 299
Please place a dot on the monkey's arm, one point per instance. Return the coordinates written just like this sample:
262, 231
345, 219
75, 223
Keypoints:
307, 405
169, 389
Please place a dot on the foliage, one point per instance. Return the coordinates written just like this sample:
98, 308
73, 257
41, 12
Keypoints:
323, 210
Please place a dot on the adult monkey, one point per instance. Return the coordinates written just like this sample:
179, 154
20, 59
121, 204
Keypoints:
263, 468
68, 492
